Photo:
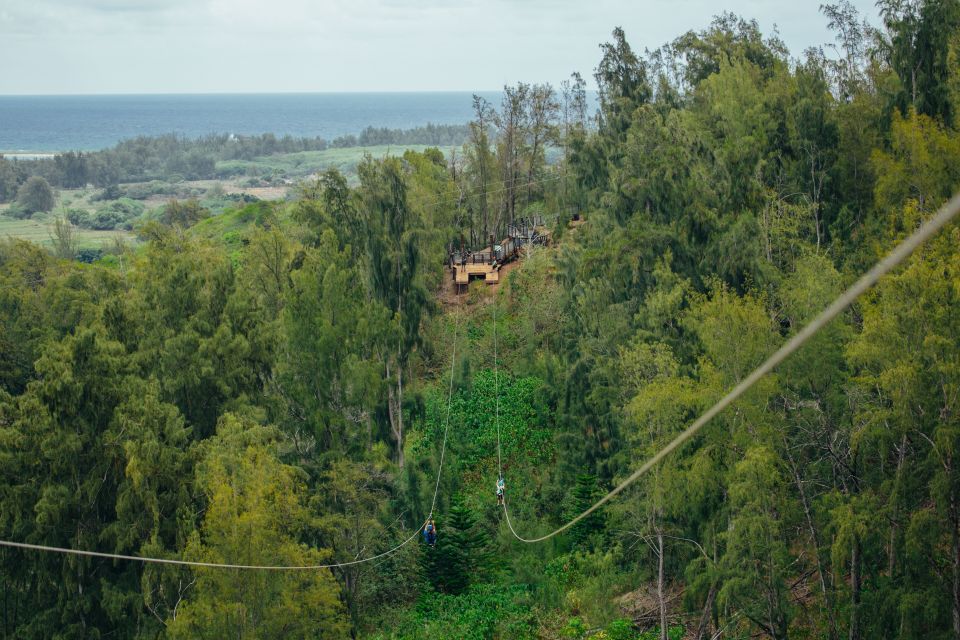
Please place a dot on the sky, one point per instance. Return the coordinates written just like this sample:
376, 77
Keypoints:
260, 46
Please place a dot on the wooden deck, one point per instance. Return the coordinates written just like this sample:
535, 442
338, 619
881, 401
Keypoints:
462, 274
466, 265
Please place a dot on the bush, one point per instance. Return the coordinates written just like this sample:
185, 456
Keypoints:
483, 611
183, 214
621, 630
117, 214
674, 633
15, 210
111, 192
89, 256
106, 219
64, 239
144, 190
35, 195
79, 217
575, 629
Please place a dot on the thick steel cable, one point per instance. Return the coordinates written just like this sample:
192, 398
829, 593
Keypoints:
259, 567
870, 278
496, 388
496, 392
446, 428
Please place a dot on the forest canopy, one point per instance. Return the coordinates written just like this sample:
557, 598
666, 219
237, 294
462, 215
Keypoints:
284, 393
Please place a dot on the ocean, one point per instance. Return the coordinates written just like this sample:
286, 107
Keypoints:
41, 124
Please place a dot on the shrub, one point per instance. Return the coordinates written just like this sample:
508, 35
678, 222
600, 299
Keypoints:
119, 213
183, 213
15, 210
105, 219
63, 239
89, 256
575, 629
483, 611
621, 629
674, 633
79, 217
144, 190
111, 192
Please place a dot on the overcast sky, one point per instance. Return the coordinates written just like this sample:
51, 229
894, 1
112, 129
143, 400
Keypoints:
201, 46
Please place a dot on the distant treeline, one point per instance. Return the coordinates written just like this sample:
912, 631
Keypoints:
153, 158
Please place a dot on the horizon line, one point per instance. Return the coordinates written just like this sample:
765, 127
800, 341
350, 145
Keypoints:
241, 93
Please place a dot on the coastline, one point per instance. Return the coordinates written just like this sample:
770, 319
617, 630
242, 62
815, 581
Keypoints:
29, 155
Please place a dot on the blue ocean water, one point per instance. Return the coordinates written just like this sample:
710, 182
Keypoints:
87, 123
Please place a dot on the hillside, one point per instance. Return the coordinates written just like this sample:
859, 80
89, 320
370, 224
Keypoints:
258, 414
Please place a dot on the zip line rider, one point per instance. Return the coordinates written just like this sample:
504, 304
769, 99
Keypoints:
430, 533
500, 488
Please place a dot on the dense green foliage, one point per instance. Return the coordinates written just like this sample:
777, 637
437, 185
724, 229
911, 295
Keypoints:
270, 385
115, 214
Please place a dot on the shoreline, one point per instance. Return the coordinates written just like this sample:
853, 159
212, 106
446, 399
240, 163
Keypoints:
24, 154
29, 155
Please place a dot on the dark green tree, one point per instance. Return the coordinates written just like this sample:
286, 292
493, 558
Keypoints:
393, 250
462, 554
917, 46
585, 492
622, 84
35, 195
11, 177
73, 169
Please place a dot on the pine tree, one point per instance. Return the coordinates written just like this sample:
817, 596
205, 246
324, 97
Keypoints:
585, 494
462, 553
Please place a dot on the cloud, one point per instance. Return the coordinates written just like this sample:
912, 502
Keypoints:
336, 45
120, 6
53, 18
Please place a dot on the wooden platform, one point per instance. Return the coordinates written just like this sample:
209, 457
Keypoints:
462, 274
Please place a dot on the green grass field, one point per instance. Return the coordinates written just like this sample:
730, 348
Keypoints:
306, 163
39, 228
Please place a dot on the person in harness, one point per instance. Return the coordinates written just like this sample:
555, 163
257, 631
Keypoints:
430, 533
500, 488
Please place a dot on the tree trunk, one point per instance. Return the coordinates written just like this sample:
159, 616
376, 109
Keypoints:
660, 596
815, 538
533, 159
703, 630
855, 590
955, 539
895, 498
394, 412
399, 411
815, 194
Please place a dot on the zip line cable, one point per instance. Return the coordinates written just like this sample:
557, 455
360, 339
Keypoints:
446, 427
496, 388
887, 264
870, 278
259, 567
496, 392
